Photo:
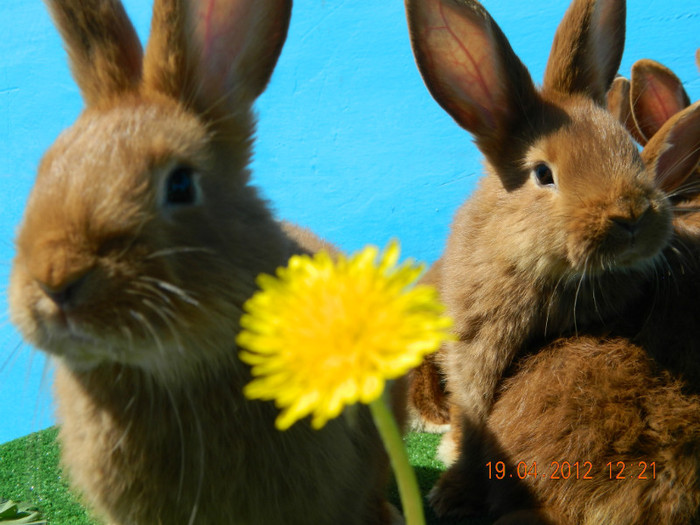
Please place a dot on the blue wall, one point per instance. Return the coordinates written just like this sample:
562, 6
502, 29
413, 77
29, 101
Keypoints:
350, 143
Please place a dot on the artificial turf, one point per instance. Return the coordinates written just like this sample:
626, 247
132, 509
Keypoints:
29, 472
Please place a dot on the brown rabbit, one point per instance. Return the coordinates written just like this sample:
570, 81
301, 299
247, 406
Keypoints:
666, 120
566, 214
613, 423
141, 240
657, 94
654, 97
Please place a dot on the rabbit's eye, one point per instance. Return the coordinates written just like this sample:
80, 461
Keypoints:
543, 175
180, 186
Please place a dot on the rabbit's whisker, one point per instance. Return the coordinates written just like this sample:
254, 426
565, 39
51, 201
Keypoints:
162, 314
200, 441
596, 281
149, 329
578, 290
550, 303
678, 161
176, 290
12, 355
685, 254
183, 445
177, 250
118, 443
672, 279
129, 336
151, 289
43, 388
148, 295
666, 265
690, 186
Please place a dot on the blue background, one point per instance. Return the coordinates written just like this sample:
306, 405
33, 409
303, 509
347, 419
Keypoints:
350, 143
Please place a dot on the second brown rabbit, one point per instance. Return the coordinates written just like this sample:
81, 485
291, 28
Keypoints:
563, 226
607, 429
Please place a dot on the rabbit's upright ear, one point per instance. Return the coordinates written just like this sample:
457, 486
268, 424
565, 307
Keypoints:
587, 49
674, 151
620, 106
470, 68
656, 94
215, 54
103, 48
618, 99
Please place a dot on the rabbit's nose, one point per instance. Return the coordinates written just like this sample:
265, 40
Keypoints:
65, 293
628, 224
59, 268
632, 221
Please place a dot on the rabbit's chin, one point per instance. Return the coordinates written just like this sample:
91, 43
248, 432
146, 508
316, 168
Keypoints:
621, 264
641, 254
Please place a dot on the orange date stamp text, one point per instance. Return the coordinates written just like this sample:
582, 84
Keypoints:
580, 470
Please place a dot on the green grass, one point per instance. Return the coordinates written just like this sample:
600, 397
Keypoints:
29, 472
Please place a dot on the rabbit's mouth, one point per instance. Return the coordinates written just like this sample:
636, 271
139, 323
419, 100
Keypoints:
64, 326
134, 339
68, 336
114, 327
634, 259
617, 244
84, 347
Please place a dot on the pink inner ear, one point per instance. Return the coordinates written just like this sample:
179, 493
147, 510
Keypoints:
460, 57
659, 100
682, 152
223, 28
666, 98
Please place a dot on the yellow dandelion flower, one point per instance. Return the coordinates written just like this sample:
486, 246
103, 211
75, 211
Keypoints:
326, 333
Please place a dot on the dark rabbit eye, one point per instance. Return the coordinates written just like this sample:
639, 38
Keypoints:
180, 186
543, 175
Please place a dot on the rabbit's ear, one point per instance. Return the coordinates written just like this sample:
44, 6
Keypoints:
216, 54
697, 58
620, 105
102, 45
470, 68
674, 151
587, 49
656, 95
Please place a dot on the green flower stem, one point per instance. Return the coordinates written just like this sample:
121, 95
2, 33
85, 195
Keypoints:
405, 476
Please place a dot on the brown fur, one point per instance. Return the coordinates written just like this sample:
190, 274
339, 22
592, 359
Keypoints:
651, 106
631, 397
618, 102
104, 51
584, 58
139, 298
525, 261
426, 402
598, 401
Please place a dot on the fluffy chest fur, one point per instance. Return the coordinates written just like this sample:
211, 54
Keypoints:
150, 454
